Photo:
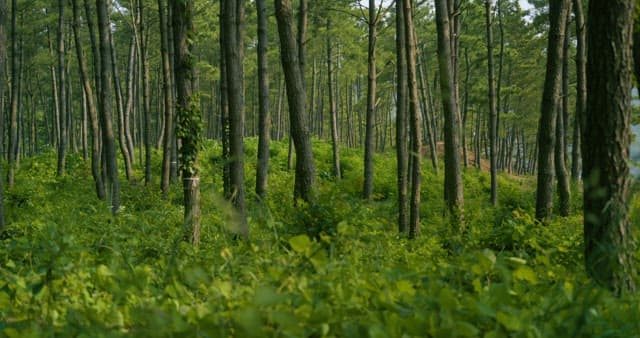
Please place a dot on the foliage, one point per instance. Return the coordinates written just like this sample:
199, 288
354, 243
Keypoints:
68, 269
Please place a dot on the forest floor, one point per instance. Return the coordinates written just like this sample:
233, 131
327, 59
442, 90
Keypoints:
67, 268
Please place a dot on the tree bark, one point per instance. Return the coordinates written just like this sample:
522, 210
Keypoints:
335, 139
305, 179
564, 188
369, 145
233, 57
106, 116
188, 117
165, 181
146, 94
401, 119
609, 245
91, 105
549, 108
581, 88
453, 177
493, 111
62, 145
3, 64
264, 124
13, 118
414, 121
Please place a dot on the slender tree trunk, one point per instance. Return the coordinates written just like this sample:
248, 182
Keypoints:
224, 105
401, 120
124, 149
13, 119
427, 114
493, 111
581, 87
3, 64
262, 169
165, 181
609, 245
564, 188
465, 105
335, 140
233, 55
188, 117
91, 106
369, 146
108, 138
453, 176
547, 126
146, 93
414, 120
305, 179
62, 146
132, 97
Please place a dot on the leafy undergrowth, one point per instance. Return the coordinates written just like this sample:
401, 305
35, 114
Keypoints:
68, 269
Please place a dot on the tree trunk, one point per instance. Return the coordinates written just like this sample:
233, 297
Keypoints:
62, 146
3, 64
550, 96
233, 57
106, 116
146, 94
188, 117
91, 106
414, 120
124, 149
264, 127
335, 140
493, 111
564, 189
609, 246
165, 181
453, 177
369, 146
401, 119
581, 88
305, 180
13, 119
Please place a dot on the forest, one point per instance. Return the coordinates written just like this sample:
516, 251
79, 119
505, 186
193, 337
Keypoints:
319, 168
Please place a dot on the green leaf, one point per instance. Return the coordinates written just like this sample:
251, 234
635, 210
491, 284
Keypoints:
300, 243
404, 287
511, 322
266, 296
525, 273
466, 329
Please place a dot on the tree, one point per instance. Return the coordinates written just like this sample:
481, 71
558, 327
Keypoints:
165, 180
581, 87
608, 239
414, 120
493, 111
402, 156
188, 117
264, 124
453, 177
233, 31
91, 105
549, 108
564, 189
146, 92
333, 111
13, 118
3, 63
62, 101
305, 179
369, 144
106, 115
